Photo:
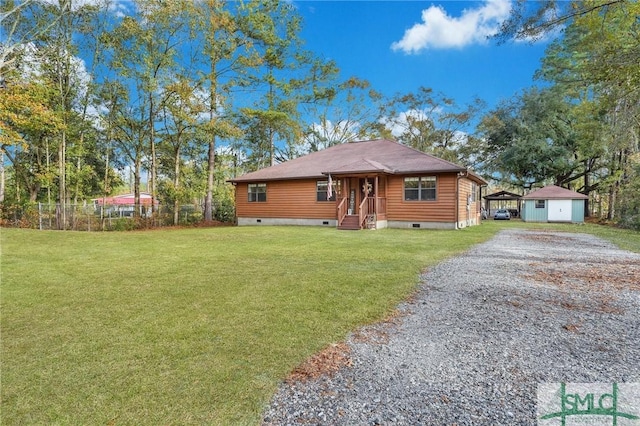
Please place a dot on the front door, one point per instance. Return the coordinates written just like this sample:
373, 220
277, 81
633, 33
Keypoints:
367, 187
357, 190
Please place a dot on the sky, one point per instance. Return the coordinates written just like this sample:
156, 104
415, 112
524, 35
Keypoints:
399, 46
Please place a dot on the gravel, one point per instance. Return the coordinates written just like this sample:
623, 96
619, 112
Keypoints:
483, 331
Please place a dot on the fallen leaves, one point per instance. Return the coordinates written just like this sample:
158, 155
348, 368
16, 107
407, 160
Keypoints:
326, 362
619, 275
602, 281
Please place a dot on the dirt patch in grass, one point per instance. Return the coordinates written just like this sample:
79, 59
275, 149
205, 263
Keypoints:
335, 356
324, 363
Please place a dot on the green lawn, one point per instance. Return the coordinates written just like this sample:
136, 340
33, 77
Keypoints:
194, 326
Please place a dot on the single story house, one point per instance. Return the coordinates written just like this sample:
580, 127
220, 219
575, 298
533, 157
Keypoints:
553, 204
368, 184
124, 205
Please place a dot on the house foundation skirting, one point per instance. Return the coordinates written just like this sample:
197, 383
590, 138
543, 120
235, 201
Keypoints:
245, 221
380, 224
420, 225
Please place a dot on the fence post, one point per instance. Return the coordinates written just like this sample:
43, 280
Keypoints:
40, 216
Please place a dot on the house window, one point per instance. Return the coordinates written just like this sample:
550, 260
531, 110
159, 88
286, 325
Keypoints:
474, 192
420, 188
257, 192
540, 204
321, 191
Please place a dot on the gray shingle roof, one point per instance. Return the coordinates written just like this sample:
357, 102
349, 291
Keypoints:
553, 192
375, 156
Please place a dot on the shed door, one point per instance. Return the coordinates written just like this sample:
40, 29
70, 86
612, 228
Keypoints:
560, 210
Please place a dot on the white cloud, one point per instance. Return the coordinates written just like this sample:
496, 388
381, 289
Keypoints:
438, 30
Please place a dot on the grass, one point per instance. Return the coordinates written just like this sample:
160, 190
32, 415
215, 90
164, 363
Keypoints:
193, 326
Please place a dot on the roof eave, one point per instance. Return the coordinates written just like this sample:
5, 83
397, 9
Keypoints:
241, 180
357, 172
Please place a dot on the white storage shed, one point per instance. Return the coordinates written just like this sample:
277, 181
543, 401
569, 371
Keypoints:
553, 204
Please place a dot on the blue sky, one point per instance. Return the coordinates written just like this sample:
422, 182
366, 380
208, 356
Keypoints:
399, 46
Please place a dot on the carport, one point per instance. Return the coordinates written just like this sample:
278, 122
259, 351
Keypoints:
503, 200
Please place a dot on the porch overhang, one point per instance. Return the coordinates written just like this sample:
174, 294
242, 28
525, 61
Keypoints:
360, 167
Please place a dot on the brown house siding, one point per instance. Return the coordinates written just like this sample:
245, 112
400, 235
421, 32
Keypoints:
294, 199
440, 210
471, 215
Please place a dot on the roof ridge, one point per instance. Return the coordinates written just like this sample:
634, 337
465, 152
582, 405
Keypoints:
371, 156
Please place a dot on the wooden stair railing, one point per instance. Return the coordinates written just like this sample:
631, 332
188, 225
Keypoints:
368, 213
342, 211
364, 211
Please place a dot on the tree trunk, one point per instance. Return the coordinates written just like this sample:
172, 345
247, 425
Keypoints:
176, 183
587, 189
136, 186
62, 190
152, 149
2, 177
208, 202
272, 153
33, 192
612, 202
211, 163
106, 183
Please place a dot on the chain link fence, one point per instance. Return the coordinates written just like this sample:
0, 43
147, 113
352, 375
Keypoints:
94, 217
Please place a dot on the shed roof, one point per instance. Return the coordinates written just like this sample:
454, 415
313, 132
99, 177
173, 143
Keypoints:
374, 156
502, 195
553, 192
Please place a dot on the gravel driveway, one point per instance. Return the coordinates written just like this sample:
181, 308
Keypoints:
483, 330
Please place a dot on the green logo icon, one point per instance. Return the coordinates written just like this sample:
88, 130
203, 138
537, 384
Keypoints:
589, 404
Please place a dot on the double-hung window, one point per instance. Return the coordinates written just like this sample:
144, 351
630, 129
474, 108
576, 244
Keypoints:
540, 204
322, 187
257, 192
420, 188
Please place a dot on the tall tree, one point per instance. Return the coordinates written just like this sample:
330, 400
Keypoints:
429, 122
180, 114
51, 56
274, 30
128, 129
226, 53
595, 64
531, 140
60, 66
339, 113
19, 28
28, 122
155, 33
535, 20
